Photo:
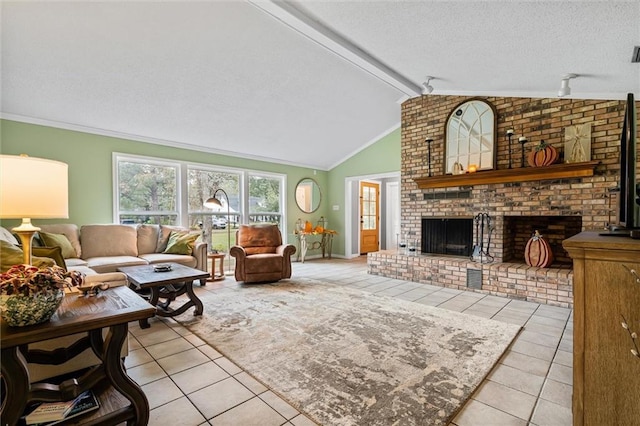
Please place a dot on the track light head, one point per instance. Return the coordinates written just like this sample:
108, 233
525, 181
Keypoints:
565, 90
427, 88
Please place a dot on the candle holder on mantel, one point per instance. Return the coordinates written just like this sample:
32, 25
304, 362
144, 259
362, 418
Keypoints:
522, 140
510, 135
428, 141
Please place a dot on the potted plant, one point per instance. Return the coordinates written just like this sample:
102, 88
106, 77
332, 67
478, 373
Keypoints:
29, 295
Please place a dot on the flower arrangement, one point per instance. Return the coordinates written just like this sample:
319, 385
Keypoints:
625, 324
28, 280
29, 295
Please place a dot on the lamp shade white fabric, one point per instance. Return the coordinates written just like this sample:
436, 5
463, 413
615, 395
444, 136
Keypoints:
33, 188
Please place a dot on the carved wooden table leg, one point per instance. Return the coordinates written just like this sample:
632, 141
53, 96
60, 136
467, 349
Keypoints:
114, 370
16, 378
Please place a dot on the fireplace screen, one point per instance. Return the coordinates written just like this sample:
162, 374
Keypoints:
453, 236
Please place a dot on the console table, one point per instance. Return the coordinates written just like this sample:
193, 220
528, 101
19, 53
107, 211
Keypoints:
323, 240
606, 376
112, 310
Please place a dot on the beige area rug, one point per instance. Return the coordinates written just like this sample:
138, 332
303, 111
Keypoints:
348, 357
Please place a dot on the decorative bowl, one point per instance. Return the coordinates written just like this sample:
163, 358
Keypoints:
19, 310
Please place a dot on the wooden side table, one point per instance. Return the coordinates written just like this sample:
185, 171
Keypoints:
121, 399
220, 275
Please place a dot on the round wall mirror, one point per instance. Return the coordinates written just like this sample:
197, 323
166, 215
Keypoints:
308, 195
470, 137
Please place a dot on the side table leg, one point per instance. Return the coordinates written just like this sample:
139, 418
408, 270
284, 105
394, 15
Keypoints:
114, 369
16, 378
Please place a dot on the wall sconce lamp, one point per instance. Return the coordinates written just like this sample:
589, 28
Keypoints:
215, 203
32, 188
427, 88
565, 90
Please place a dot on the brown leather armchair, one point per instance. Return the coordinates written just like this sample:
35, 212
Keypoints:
260, 254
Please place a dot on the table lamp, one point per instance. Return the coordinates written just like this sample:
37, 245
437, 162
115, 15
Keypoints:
213, 203
32, 188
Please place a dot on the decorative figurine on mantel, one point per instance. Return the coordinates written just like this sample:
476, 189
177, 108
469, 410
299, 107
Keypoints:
542, 155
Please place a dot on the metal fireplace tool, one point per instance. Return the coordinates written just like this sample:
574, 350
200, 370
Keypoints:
484, 229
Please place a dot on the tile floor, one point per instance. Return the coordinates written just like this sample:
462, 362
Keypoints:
189, 383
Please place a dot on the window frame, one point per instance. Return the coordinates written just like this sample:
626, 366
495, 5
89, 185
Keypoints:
182, 202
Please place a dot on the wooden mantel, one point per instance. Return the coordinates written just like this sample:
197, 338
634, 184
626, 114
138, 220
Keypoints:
522, 174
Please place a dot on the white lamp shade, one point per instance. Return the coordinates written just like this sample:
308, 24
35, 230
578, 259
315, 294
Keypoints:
33, 188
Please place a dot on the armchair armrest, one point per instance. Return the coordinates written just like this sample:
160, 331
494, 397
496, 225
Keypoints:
240, 254
200, 253
286, 250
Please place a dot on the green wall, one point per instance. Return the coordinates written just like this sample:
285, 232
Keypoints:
378, 158
89, 157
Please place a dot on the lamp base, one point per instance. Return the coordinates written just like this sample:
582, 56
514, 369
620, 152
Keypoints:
26, 231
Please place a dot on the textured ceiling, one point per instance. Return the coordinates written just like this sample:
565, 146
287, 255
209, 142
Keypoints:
307, 83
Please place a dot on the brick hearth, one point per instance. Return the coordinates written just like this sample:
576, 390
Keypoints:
539, 202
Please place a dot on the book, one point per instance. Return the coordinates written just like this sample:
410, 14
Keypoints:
83, 403
49, 411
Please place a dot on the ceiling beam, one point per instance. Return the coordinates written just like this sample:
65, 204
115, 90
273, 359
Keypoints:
309, 27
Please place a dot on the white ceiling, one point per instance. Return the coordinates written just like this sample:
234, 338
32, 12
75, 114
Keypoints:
308, 83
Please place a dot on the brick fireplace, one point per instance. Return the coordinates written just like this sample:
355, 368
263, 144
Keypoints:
558, 208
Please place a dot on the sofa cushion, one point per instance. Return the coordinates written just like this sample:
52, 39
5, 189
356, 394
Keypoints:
112, 263
148, 238
75, 262
163, 236
108, 240
69, 230
58, 240
181, 243
12, 255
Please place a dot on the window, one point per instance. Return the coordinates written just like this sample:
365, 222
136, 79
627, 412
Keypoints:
265, 200
202, 184
149, 190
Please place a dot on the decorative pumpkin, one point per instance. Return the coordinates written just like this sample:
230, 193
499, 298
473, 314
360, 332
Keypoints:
542, 155
538, 252
308, 227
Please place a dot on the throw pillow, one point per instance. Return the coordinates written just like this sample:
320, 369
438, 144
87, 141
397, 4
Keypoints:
59, 240
181, 243
12, 255
54, 253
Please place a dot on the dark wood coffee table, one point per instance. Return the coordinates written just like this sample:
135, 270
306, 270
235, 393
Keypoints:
165, 285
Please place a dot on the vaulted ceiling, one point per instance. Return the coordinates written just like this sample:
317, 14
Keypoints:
307, 83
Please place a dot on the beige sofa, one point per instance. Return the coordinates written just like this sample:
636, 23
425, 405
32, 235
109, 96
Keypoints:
104, 248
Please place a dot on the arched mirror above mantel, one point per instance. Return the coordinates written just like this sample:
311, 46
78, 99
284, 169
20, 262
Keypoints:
308, 195
470, 137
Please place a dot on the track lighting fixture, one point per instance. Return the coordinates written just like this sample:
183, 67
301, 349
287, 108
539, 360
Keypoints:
427, 88
565, 90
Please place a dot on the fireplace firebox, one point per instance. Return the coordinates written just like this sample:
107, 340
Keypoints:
450, 236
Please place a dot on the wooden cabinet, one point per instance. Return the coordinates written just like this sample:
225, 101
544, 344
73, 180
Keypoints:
606, 376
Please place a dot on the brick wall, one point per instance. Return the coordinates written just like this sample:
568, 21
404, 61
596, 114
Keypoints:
536, 119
